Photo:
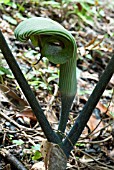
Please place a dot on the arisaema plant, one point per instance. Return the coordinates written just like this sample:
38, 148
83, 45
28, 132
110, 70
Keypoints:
59, 46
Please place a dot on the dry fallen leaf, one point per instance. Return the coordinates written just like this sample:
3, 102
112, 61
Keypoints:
53, 156
38, 166
87, 159
106, 110
51, 116
45, 149
27, 113
111, 154
87, 75
95, 125
13, 97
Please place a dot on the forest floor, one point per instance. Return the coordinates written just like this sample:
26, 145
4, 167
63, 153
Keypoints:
92, 25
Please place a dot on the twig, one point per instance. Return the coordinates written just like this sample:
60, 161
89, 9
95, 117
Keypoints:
52, 98
13, 122
101, 129
54, 94
96, 142
93, 132
100, 163
83, 163
12, 159
50, 114
21, 128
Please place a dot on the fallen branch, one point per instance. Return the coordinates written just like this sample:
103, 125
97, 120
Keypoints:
15, 163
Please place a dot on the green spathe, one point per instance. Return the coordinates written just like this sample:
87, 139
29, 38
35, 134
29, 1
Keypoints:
59, 46
48, 34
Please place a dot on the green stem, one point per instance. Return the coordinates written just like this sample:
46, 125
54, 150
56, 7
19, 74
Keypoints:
68, 91
65, 108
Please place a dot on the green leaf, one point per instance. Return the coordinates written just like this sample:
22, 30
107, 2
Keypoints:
51, 3
83, 92
4, 1
112, 113
4, 71
18, 142
34, 83
10, 137
80, 144
1, 73
36, 147
19, 15
85, 6
89, 56
12, 4
37, 155
86, 19
10, 19
43, 85
53, 77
